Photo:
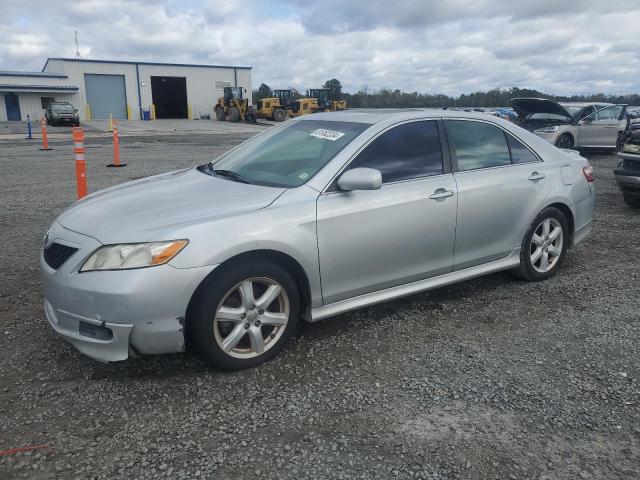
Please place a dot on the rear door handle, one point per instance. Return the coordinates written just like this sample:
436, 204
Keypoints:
535, 176
441, 193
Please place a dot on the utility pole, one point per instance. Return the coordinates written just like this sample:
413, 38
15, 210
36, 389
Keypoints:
77, 48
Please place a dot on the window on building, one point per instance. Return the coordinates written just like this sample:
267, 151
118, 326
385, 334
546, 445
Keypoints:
45, 102
478, 145
411, 150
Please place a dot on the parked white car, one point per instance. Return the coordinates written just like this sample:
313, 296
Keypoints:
571, 124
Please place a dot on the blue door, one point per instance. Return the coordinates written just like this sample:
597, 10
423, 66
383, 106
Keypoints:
13, 107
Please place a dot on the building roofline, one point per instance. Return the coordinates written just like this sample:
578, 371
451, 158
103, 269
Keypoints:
38, 88
123, 62
7, 73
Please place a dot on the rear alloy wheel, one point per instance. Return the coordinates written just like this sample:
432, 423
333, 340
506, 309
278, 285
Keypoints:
544, 246
565, 141
245, 315
632, 200
279, 115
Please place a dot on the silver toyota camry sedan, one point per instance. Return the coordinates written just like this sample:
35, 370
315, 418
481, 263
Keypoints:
315, 217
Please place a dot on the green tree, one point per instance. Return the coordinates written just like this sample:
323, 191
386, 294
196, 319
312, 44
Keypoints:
335, 89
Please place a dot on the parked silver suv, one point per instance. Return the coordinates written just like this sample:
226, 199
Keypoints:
572, 125
315, 217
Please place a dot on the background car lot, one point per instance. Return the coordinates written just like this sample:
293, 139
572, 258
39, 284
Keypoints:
489, 378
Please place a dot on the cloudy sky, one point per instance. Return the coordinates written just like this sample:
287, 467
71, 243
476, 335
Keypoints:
448, 46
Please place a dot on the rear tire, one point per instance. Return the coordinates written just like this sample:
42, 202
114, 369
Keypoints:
565, 141
244, 314
219, 114
279, 115
544, 246
234, 114
632, 201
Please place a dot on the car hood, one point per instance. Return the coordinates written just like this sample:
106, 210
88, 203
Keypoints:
528, 106
141, 210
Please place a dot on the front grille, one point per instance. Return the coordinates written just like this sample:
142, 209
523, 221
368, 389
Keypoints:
56, 254
632, 164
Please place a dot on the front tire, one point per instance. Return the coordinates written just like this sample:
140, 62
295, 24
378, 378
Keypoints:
632, 201
234, 114
565, 141
244, 314
279, 115
219, 114
544, 246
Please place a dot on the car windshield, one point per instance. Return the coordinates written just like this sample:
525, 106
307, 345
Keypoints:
548, 116
62, 108
289, 157
573, 110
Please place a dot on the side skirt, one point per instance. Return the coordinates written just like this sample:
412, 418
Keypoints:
319, 313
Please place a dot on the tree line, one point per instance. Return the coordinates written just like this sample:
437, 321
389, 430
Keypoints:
388, 98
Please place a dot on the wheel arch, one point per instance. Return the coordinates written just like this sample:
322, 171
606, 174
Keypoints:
284, 260
568, 214
567, 133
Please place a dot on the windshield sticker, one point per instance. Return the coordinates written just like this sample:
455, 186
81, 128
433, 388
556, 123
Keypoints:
303, 176
327, 134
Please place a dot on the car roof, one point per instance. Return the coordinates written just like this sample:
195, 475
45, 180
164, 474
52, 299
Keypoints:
584, 104
371, 116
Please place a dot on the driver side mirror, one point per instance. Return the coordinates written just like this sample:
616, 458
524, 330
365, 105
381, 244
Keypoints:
360, 179
587, 119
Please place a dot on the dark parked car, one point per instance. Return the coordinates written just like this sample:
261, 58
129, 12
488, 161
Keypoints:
62, 113
628, 171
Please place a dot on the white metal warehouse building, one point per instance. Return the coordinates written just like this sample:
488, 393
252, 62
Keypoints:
130, 90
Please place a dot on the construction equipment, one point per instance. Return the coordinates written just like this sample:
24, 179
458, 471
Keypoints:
234, 106
303, 106
324, 104
275, 107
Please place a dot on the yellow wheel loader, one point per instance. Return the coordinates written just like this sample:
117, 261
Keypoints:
276, 107
234, 107
322, 99
303, 106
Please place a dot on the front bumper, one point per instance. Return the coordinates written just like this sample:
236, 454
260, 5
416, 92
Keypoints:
105, 313
627, 174
69, 120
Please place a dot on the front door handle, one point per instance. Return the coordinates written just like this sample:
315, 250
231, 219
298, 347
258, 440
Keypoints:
441, 193
535, 176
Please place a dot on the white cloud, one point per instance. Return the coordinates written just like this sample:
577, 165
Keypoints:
441, 46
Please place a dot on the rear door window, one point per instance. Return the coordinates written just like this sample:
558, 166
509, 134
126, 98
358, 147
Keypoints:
477, 145
519, 152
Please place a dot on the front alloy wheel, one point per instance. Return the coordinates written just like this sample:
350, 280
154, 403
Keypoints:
244, 313
251, 318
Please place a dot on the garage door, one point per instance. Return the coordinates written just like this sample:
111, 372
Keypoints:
106, 95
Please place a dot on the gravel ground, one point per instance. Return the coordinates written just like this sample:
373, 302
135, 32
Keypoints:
490, 378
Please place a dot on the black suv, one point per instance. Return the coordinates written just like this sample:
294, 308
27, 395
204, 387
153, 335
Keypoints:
628, 171
61, 113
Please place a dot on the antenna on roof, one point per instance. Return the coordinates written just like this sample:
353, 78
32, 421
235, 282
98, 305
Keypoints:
77, 48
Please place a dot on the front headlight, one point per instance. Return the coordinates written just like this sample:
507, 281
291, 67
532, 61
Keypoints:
547, 129
133, 255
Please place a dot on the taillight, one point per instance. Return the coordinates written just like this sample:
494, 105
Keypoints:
588, 173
